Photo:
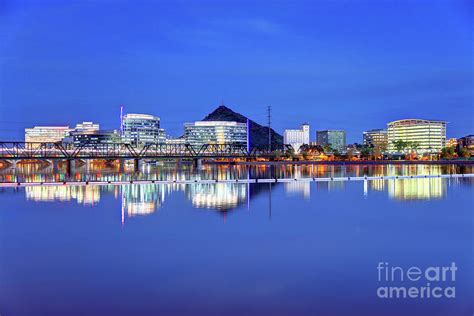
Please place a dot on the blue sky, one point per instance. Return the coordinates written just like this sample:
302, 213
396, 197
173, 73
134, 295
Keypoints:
352, 65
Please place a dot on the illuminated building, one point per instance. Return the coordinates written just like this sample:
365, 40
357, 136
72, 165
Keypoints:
452, 142
215, 132
334, 138
297, 137
142, 129
175, 141
430, 136
376, 138
467, 142
86, 127
46, 134
97, 137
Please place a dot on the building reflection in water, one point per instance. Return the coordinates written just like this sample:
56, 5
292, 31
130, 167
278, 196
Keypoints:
145, 199
416, 189
142, 199
219, 196
87, 195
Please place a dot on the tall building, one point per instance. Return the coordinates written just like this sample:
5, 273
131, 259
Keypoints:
297, 137
376, 138
215, 132
334, 138
142, 129
429, 136
46, 134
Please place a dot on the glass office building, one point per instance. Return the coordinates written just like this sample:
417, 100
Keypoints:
95, 138
430, 136
334, 138
376, 138
215, 132
142, 129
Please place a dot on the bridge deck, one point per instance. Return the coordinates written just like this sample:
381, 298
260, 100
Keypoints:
49, 151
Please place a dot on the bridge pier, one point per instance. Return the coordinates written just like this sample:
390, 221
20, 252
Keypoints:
137, 164
121, 163
71, 166
197, 163
14, 164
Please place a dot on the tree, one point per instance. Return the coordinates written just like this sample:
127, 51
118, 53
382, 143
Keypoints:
465, 153
400, 145
414, 146
366, 151
377, 151
448, 152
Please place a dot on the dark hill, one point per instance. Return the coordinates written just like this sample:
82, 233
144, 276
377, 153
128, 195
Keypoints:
258, 133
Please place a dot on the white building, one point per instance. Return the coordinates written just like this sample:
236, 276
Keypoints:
215, 132
142, 129
427, 136
87, 127
297, 137
46, 134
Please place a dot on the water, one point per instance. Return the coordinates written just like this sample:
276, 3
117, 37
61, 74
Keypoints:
236, 249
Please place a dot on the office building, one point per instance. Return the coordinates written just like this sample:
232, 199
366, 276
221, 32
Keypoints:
467, 142
297, 137
142, 129
46, 134
86, 127
427, 136
336, 139
215, 132
376, 138
95, 138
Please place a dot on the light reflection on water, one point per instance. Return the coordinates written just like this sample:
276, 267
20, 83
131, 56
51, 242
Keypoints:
46, 173
145, 199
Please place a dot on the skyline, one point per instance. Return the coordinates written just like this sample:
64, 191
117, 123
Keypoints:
315, 132
336, 65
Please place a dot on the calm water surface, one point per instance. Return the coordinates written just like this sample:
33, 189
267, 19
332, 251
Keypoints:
230, 249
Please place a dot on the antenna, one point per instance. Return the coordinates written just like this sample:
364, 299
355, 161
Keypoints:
121, 119
269, 110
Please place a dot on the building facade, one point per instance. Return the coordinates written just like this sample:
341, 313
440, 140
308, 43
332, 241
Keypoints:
466, 142
297, 137
428, 136
95, 138
215, 132
46, 134
87, 127
334, 138
142, 129
376, 138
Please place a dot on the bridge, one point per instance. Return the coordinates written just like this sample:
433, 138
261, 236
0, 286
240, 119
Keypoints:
15, 151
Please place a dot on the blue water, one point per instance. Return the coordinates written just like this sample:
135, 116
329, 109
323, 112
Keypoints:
231, 249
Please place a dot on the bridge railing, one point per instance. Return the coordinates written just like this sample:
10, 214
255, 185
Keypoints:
59, 150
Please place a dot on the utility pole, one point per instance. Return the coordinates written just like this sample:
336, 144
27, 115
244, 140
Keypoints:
269, 109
